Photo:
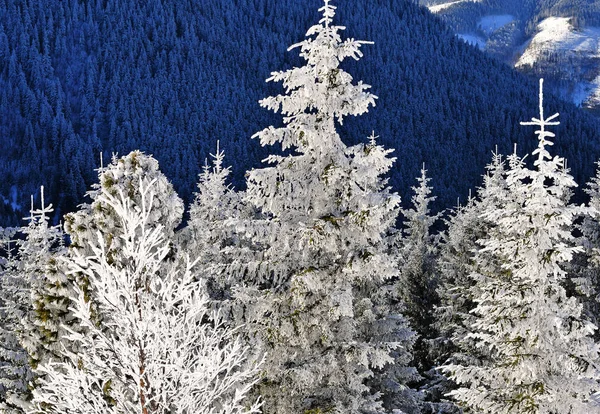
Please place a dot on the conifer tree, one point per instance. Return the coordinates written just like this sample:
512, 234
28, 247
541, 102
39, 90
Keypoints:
35, 293
211, 235
418, 274
15, 372
47, 286
584, 271
466, 226
541, 355
123, 174
311, 295
159, 349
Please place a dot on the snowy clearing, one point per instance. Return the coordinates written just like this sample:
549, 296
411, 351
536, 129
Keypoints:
473, 39
489, 24
440, 7
557, 34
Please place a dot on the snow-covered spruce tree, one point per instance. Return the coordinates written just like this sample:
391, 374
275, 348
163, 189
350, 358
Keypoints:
47, 291
210, 236
541, 355
35, 294
122, 174
417, 254
311, 298
159, 350
584, 270
15, 372
460, 242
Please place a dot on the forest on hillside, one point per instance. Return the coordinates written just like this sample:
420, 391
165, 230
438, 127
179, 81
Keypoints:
80, 77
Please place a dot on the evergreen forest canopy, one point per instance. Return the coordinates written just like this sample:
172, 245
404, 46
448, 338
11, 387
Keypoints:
171, 78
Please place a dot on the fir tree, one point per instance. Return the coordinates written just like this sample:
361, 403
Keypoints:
35, 292
123, 174
584, 270
460, 242
211, 235
541, 355
15, 372
312, 300
418, 274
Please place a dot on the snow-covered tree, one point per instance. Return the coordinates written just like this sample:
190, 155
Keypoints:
210, 235
418, 250
15, 372
311, 300
159, 349
47, 287
123, 174
460, 242
584, 271
35, 294
541, 357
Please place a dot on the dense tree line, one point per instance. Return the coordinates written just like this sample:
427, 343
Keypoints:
79, 77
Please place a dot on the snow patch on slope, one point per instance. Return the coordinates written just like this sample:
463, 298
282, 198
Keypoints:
556, 34
593, 100
473, 39
489, 24
439, 7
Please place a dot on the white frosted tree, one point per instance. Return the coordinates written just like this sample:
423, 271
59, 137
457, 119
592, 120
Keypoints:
159, 349
585, 269
123, 174
459, 245
47, 287
312, 299
210, 235
418, 250
35, 294
541, 355
15, 372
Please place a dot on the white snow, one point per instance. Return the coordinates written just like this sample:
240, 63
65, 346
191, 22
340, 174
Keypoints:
557, 34
593, 99
439, 7
581, 92
489, 24
473, 39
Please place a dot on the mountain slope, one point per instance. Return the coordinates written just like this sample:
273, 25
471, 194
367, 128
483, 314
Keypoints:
555, 39
173, 77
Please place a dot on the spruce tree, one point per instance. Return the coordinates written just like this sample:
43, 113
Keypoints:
15, 371
311, 297
123, 174
541, 357
466, 227
418, 282
211, 235
35, 293
584, 271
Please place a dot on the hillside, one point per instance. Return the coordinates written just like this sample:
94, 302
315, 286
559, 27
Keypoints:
555, 39
172, 77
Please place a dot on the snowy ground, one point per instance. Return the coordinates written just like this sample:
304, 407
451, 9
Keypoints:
440, 7
473, 40
489, 24
557, 34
